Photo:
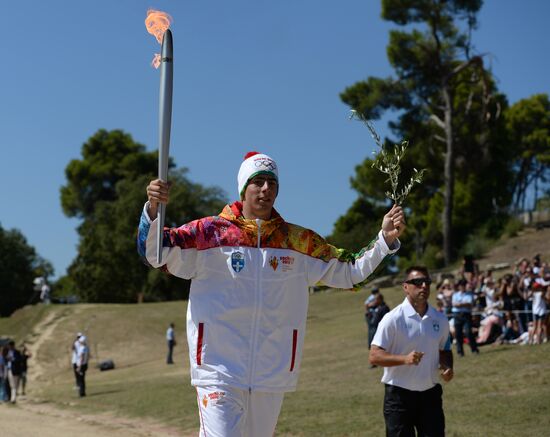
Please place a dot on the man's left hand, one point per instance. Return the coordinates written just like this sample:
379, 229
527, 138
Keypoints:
393, 224
447, 374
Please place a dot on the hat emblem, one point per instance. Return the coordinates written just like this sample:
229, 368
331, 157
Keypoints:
265, 163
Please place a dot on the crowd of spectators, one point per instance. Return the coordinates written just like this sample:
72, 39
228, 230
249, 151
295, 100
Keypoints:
484, 309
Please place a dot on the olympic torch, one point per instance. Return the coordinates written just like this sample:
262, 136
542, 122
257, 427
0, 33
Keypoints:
165, 123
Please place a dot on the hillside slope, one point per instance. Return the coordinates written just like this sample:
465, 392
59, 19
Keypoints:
338, 395
527, 244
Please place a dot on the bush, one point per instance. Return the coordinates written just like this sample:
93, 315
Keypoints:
431, 258
512, 228
477, 244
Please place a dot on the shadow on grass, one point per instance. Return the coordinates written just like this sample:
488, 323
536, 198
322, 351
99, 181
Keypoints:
494, 349
101, 393
136, 363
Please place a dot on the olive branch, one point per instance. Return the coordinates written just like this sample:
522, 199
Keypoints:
390, 163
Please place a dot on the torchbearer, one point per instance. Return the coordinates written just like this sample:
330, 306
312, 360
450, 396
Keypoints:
165, 122
250, 271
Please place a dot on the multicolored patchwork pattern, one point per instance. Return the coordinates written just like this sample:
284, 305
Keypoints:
230, 229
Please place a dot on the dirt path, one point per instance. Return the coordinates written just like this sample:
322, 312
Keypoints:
27, 419
41, 333
31, 418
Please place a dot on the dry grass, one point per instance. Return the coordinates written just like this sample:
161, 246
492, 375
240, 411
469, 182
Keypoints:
504, 391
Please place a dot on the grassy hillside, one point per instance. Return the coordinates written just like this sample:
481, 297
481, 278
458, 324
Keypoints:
504, 391
527, 243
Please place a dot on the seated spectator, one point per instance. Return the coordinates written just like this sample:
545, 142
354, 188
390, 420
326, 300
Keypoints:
511, 329
490, 329
524, 336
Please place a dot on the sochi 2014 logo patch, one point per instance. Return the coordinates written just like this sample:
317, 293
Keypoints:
213, 398
273, 262
237, 261
286, 262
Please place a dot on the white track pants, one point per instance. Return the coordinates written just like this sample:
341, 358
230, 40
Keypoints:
232, 412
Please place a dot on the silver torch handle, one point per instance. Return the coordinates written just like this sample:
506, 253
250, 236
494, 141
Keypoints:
165, 123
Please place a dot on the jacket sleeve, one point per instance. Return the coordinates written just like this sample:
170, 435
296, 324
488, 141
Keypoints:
339, 268
179, 252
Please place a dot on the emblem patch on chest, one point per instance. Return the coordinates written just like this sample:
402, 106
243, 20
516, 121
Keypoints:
436, 327
237, 261
285, 262
273, 262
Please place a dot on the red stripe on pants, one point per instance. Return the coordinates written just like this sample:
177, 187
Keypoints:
199, 344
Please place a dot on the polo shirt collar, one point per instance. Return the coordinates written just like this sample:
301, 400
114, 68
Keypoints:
409, 310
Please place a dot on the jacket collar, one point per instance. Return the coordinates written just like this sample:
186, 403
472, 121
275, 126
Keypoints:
234, 213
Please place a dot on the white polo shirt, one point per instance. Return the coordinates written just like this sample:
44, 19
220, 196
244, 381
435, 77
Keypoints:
402, 331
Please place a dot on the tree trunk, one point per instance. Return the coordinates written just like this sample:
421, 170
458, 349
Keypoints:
449, 177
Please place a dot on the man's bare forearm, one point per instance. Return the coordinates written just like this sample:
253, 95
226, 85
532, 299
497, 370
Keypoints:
446, 359
379, 357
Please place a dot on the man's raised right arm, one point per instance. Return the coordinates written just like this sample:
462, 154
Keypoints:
158, 191
179, 250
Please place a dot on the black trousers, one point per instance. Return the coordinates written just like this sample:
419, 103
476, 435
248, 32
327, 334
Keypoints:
463, 324
406, 410
81, 379
75, 374
169, 359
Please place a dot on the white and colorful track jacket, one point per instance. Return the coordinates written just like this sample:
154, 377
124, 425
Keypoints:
247, 309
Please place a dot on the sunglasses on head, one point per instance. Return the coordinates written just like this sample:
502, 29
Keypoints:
417, 282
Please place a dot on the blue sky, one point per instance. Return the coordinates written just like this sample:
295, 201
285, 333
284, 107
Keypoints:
248, 75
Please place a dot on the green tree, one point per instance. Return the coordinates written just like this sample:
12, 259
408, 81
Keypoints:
448, 107
528, 127
106, 189
19, 265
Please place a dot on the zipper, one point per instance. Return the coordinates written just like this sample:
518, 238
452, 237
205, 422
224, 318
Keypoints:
257, 307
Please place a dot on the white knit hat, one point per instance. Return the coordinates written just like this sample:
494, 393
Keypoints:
255, 163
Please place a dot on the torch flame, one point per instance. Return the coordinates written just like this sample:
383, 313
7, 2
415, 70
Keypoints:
156, 23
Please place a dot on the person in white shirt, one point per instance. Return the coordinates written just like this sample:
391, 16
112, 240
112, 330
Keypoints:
45, 293
463, 304
412, 342
171, 341
74, 357
540, 312
82, 355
